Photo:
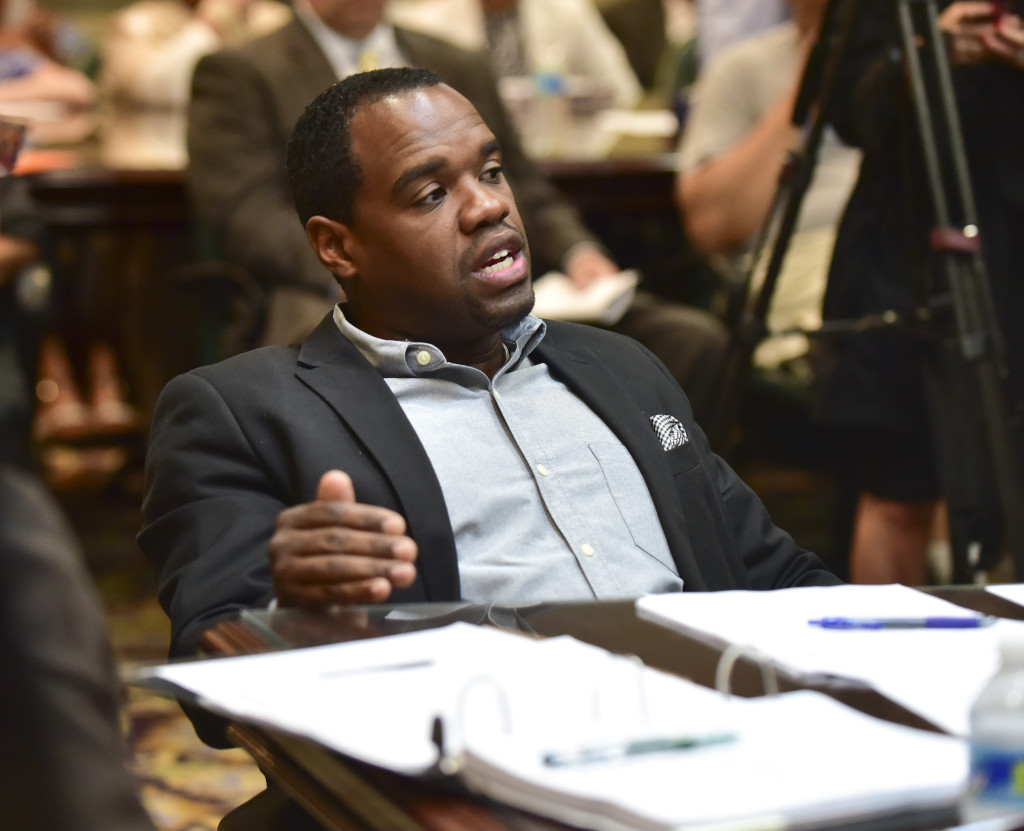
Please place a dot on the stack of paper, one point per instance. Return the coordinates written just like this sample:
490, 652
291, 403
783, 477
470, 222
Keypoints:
510, 706
936, 673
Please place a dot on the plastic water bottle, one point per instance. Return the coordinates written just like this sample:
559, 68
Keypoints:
552, 114
997, 738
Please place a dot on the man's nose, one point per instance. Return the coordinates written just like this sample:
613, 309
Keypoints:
483, 205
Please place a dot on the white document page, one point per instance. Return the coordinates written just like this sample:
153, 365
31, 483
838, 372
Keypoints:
1014, 592
800, 758
936, 673
373, 699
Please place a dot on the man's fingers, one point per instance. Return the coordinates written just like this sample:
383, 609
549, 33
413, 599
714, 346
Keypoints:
342, 514
340, 568
342, 541
319, 581
336, 551
321, 596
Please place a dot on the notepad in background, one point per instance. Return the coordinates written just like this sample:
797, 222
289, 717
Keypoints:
936, 673
604, 301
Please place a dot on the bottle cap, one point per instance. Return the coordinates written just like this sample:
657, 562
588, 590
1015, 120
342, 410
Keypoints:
549, 83
1011, 648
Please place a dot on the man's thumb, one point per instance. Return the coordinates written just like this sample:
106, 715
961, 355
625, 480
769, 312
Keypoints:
336, 486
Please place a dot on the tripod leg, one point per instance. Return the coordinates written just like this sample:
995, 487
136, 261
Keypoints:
978, 464
963, 464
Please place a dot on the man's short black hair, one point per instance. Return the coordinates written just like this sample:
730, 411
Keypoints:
323, 172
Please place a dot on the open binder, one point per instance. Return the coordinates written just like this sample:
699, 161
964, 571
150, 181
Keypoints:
504, 714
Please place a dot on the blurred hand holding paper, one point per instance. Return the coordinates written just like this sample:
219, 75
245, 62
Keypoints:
603, 301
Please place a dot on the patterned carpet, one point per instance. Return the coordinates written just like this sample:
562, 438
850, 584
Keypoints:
185, 785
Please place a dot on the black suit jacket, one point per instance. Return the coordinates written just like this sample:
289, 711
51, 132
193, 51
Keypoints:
235, 443
245, 102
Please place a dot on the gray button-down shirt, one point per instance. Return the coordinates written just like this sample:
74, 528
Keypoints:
545, 501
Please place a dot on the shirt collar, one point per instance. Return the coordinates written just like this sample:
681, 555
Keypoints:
409, 359
343, 53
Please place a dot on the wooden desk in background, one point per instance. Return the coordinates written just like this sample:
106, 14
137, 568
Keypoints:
349, 796
88, 196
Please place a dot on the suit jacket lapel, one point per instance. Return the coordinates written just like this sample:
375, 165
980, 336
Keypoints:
581, 370
333, 368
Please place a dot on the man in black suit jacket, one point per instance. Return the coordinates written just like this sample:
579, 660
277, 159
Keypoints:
256, 464
245, 102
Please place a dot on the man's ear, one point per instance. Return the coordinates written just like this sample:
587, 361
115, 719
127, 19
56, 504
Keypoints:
332, 242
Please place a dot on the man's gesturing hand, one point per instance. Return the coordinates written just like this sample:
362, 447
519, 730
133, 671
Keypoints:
338, 551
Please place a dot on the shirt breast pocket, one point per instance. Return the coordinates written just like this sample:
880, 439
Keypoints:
633, 500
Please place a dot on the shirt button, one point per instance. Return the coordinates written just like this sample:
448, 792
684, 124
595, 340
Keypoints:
423, 357
543, 471
587, 549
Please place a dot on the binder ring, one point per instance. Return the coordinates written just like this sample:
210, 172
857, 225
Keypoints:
450, 763
731, 654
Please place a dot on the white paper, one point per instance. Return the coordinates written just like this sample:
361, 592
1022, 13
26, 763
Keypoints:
656, 123
506, 700
936, 673
373, 699
802, 758
603, 301
1014, 592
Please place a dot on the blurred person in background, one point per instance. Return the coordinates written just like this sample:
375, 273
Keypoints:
24, 308
873, 388
642, 27
735, 143
721, 23
63, 760
39, 79
62, 755
532, 38
152, 46
57, 102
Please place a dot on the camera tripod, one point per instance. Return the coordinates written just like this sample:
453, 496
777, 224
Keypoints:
964, 370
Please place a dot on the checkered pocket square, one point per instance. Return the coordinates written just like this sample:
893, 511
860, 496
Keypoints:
670, 431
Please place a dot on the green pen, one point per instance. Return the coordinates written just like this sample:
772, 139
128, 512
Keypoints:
638, 747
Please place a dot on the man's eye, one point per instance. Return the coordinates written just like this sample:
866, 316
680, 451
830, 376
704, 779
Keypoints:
492, 174
432, 197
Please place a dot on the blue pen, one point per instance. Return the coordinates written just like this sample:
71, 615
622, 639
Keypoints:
972, 622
